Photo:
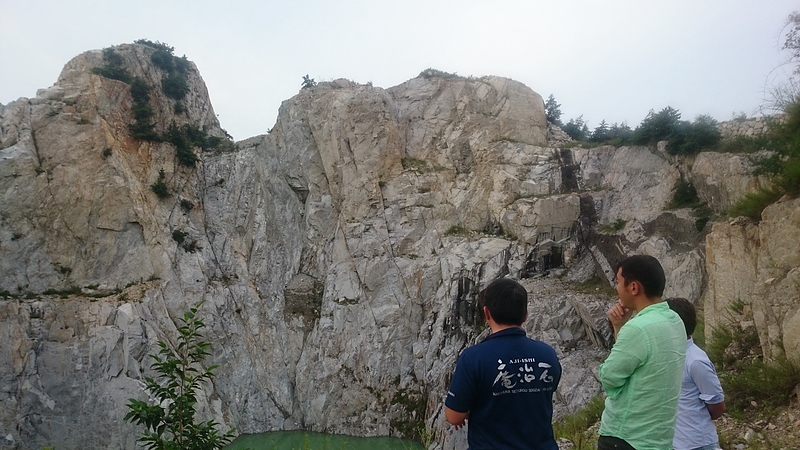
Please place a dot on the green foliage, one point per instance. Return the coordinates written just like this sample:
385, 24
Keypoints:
746, 384
140, 91
185, 137
552, 110
788, 180
683, 138
601, 133
170, 422
576, 128
619, 134
657, 126
113, 67
64, 293
174, 86
702, 134
156, 45
742, 144
163, 59
754, 203
182, 64
415, 164
160, 187
434, 73
614, 226
574, 427
595, 285
186, 205
308, 82
458, 230
783, 165
189, 245
179, 236
684, 195
737, 349
142, 128
700, 223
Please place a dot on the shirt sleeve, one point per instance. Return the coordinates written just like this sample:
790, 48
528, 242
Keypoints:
705, 377
462, 388
629, 352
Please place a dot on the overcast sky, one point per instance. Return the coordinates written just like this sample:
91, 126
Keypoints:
612, 60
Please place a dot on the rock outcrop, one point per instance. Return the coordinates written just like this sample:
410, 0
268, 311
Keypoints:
339, 257
755, 273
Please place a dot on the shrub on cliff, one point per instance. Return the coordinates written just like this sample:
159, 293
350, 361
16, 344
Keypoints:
735, 350
170, 422
174, 86
783, 166
160, 187
163, 59
552, 110
158, 45
142, 128
113, 67
576, 128
435, 73
683, 137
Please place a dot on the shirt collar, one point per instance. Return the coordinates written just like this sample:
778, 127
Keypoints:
653, 307
514, 331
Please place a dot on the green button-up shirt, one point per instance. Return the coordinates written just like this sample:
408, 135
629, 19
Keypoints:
642, 377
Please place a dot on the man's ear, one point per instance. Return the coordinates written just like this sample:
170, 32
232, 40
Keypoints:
635, 287
486, 314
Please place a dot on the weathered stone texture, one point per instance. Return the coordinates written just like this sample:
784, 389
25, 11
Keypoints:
340, 257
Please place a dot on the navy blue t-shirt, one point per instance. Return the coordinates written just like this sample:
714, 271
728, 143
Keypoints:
506, 383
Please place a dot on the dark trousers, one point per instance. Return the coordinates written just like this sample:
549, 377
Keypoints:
612, 443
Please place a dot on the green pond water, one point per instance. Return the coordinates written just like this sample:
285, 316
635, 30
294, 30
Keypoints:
307, 440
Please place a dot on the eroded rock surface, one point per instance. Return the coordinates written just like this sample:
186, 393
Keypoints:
339, 257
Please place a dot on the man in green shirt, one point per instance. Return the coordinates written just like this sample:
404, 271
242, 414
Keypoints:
642, 375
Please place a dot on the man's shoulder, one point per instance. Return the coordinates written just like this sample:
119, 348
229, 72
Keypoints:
695, 353
659, 316
519, 341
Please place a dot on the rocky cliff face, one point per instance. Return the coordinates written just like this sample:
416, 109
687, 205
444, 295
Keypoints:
339, 257
755, 278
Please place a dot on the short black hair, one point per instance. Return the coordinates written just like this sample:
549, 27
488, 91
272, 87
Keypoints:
507, 301
686, 310
647, 271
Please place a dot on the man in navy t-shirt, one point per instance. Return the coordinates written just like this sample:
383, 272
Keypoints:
505, 384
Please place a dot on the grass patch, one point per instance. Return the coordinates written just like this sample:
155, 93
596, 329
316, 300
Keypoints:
613, 227
415, 164
594, 285
783, 166
743, 144
754, 203
458, 230
575, 427
64, 293
753, 387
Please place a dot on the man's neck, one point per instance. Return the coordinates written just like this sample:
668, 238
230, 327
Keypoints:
496, 327
643, 302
